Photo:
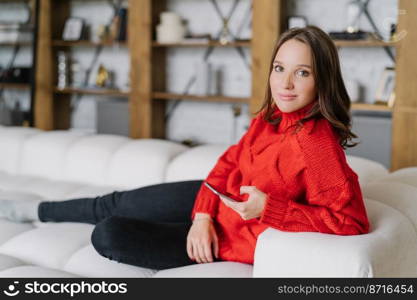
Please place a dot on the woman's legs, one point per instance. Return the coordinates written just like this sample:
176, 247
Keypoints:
166, 202
143, 244
145, 227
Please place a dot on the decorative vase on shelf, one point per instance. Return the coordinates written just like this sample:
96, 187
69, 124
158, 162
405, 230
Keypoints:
170, 30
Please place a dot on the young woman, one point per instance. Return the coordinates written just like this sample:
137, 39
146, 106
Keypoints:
288, 172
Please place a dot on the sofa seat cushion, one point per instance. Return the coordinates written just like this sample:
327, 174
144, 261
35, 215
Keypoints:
87, 262
35, 272
215, 269
51, 245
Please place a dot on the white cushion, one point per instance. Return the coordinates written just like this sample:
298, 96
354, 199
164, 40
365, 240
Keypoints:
366, 169
400, 196
389, 250
8, 262
44, 155
141, 162
11, 143
88, 159
48, 246
195, 163
215, 269
87, 262
34, 271
406, 176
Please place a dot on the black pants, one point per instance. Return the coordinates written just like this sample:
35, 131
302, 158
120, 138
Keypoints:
145, 227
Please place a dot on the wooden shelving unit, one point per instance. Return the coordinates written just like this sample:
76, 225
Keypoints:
148, 95
16, 45
52, 110
151, 86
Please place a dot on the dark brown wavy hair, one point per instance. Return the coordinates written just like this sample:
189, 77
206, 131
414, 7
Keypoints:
333, 100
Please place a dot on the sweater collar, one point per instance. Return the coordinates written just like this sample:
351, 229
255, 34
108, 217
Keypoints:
291, 118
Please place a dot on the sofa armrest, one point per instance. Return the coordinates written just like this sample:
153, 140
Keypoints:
389, 250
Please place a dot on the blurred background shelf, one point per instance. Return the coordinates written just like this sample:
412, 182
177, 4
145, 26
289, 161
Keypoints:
213, 98
370, 107
15, 86
13, 44
363, 43
91, 91
60, 43
202, 44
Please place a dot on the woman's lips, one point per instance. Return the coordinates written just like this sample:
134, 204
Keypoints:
287, 97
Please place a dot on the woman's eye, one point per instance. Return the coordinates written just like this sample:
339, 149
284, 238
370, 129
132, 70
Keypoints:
303, 73
278, 68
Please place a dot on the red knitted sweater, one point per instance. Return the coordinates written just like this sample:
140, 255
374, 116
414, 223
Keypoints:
309, 185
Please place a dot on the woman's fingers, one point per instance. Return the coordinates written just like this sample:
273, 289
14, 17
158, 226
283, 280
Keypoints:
201, 253
216, 247
190, 250
207, 252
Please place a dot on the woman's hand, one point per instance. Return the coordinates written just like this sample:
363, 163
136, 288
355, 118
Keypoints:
253, 207
201, 239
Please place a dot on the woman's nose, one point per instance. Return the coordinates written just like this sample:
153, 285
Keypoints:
286, 81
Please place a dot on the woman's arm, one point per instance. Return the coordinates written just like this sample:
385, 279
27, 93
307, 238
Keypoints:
338, 210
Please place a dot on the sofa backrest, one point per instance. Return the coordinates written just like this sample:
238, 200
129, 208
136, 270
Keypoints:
96, 159
110, 160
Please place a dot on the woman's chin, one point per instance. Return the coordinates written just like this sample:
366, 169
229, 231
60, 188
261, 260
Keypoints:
287, 106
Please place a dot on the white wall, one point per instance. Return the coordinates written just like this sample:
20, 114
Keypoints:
213, 122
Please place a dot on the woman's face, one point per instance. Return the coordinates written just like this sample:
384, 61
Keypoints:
291, 80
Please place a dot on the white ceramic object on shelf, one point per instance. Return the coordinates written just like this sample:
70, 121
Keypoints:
170, 30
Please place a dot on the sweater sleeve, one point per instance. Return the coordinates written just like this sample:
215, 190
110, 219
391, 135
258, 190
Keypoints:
338, 210
331, 201
206, 201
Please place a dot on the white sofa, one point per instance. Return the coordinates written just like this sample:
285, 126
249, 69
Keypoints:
60, 165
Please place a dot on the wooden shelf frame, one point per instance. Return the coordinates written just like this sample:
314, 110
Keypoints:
370, 107
15, 86
363, 43
404, 121
97, 92
86, 43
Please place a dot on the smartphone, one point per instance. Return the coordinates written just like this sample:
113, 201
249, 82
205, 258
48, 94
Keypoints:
218, 193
